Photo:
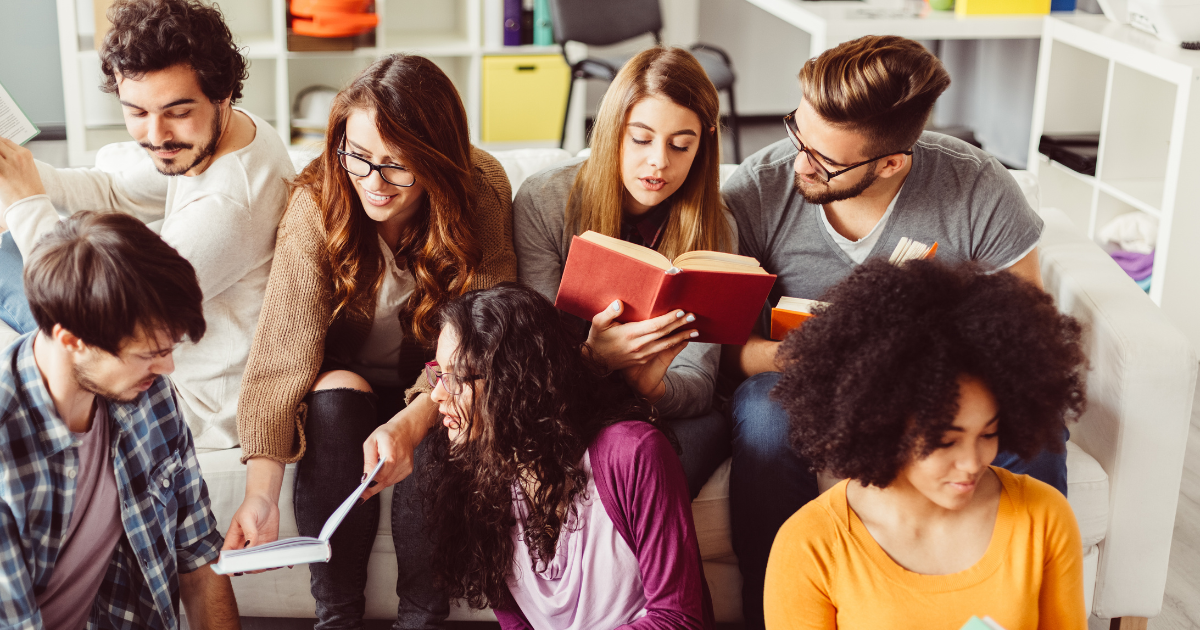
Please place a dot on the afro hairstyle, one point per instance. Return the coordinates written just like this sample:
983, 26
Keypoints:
871, 383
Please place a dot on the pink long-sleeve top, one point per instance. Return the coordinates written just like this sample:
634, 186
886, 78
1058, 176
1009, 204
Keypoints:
629, 558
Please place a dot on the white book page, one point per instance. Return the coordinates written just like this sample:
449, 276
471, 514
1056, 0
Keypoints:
339, 514
14, 124
297, 550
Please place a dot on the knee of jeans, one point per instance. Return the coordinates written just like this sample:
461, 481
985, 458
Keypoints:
757, 419
340, 379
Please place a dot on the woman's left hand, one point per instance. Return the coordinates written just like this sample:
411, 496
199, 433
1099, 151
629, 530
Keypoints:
647, 379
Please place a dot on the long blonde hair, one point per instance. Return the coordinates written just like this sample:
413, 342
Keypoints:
697, 218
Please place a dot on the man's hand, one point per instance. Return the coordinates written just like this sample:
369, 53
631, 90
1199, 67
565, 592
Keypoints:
757, 356
208, 600
621, 346
647, 379
19, 177
257, 519
394, 443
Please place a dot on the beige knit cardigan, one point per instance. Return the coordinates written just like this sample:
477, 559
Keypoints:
294, 328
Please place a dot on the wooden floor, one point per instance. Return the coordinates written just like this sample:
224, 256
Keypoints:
1181, 605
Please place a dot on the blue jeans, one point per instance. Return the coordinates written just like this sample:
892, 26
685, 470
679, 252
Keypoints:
14, 308
703, 444
769, 482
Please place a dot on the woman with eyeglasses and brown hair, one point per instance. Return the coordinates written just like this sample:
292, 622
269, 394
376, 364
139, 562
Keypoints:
653, 178
399, 215
552, 497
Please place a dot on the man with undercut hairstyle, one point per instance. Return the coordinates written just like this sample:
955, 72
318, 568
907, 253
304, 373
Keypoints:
104, 517
856, 174
211, 181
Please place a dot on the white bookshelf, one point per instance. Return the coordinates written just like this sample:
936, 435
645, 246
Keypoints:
1142, 96
449, 32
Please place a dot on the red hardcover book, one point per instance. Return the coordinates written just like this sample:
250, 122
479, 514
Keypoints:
726, 292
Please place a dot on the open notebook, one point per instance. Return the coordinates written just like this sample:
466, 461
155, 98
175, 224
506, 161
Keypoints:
298, 550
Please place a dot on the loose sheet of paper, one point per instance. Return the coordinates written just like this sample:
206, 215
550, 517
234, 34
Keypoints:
14, 124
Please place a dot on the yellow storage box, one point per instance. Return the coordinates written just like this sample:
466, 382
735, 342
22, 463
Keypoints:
1001, 7
524, 98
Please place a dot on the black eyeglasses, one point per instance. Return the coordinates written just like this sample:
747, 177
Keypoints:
823, 174
452, 382
359, 167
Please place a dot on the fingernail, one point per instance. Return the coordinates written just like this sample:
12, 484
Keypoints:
694, 334
246, 545
678, 314
364, 478
291, 566
237, 575
360, 502
373, 484
691, 318
616, 305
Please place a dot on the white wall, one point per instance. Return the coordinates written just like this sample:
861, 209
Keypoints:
766, 52
29, 61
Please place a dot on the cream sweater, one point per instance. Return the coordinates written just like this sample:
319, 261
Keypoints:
223, 221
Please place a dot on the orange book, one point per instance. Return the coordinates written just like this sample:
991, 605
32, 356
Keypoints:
790, 312
724, 291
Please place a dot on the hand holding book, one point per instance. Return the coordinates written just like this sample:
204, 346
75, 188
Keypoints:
290, 551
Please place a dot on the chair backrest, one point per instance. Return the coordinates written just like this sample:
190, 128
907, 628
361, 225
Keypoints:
603, 22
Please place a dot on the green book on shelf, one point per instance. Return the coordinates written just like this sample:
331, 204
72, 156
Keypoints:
14, 124
543, 32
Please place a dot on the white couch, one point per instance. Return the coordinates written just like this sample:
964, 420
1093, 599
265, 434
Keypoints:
1124, 461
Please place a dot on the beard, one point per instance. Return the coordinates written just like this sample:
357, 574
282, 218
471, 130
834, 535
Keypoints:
171, 167
88, 384
825, 194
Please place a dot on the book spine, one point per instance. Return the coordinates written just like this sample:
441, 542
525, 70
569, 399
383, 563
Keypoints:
493, 24
512, 22
543, 34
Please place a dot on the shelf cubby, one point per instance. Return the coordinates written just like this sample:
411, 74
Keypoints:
1146, 109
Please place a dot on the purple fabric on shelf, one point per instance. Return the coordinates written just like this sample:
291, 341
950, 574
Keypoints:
1138, 266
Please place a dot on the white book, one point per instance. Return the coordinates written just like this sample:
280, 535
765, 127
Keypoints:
14, 124
290, 551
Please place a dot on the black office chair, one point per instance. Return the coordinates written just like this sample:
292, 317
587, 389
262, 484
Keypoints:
606, 22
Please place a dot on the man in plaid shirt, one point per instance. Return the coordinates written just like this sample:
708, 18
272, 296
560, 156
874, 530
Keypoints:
104, 518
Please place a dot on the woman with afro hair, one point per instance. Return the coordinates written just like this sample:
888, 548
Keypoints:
907, 384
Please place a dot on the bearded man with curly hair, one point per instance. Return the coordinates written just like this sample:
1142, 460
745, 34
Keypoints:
213, 184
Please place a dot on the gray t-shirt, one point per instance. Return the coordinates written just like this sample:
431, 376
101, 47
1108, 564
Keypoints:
92, 535
955, 195
542, 241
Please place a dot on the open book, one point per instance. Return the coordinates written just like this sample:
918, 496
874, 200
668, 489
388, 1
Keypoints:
724, 291
790, 312
14, 124
298, 550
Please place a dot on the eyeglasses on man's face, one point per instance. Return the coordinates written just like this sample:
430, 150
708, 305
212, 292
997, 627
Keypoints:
360, 167
453, 383
823, 173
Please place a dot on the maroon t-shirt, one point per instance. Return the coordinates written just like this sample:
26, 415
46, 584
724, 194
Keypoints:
92, 535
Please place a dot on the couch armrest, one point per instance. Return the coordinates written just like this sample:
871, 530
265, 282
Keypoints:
1140, 388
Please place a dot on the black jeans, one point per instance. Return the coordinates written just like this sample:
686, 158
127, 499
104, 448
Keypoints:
339, 421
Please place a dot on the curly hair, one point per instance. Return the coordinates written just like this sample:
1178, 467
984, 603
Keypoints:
871, 383
152, 35
540, 404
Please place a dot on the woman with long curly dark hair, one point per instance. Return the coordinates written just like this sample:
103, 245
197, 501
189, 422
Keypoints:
399, 215
908, 383
553, 499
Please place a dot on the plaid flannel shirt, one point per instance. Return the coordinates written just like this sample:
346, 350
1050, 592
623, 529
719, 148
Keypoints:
169, 528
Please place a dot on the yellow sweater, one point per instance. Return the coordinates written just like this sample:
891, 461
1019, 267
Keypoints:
826, 571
